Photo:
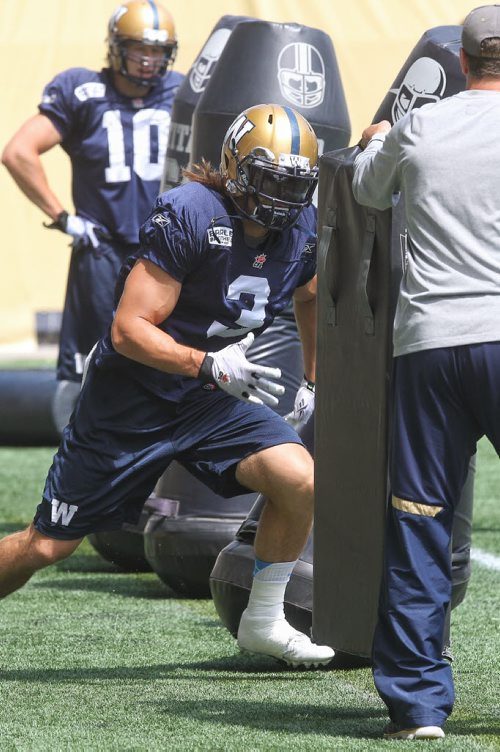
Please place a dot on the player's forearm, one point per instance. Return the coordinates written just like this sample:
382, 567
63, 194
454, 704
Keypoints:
27, 171
305, 315
140, 340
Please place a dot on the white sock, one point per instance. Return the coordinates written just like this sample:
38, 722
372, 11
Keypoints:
279, 571
268, 590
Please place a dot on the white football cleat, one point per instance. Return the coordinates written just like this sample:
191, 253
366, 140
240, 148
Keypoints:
278, 639
419, 732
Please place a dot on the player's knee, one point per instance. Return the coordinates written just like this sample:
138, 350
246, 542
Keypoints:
46, 551
301, 472
308, 484
282, 471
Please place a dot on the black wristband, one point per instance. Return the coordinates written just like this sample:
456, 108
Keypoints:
311, 385
205, 372
59, 223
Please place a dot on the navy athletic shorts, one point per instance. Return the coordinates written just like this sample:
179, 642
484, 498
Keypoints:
121, 438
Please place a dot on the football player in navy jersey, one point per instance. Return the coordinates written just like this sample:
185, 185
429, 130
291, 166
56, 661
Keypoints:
113, 125
219, 258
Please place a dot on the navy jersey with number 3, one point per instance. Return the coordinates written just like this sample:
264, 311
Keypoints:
116, 145
228, 288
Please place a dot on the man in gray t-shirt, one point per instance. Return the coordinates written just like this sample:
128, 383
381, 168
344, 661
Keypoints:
445, 159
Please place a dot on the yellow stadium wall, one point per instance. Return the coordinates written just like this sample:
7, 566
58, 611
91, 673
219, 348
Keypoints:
372, 39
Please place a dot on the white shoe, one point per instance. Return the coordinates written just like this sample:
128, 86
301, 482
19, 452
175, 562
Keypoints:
278, 639
419, 732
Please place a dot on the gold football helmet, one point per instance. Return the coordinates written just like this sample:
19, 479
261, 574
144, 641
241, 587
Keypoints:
269, 157
146, 22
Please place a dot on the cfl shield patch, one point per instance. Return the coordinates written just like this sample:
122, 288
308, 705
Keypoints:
259, 261
221, 236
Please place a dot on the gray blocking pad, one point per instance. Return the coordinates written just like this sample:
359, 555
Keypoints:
360, 269
360, 261
355, 276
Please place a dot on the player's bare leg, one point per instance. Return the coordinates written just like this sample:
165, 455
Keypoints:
285, 475
24, 553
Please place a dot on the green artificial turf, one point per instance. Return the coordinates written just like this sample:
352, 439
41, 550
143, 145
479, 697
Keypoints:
94, 659
26, 363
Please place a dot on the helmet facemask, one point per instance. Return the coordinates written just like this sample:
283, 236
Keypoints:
119, 50
272, 192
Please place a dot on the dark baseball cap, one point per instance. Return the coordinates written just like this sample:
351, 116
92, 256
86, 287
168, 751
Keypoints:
481, 23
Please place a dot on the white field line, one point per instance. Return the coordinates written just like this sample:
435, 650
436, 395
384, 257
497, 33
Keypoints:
486, 560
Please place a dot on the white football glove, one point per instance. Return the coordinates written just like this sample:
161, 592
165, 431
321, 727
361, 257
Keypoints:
231, 371
81, 230
303, 406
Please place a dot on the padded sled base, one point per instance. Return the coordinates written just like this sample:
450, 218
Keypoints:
125, 547
182, 550
230, 583
34, 406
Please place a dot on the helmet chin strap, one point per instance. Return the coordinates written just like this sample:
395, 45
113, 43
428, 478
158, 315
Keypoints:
263, 214
144, 83
128, 87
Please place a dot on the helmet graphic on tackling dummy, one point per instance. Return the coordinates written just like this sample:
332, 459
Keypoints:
204, 65
269, 157
144, 21
424, 82
301, 75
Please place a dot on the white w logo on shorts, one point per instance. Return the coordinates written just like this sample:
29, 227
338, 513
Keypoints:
60, 511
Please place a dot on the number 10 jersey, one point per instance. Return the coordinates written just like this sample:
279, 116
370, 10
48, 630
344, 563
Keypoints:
116, 144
